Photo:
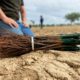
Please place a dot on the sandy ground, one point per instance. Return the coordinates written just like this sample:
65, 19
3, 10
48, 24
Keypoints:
43, 65
56, 30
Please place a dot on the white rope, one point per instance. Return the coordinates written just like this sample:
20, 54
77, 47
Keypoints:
32, 42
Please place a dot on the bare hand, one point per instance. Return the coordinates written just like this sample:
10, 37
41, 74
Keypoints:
25, 24
10, 22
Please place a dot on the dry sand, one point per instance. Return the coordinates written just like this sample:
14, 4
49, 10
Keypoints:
56, 30
43, 65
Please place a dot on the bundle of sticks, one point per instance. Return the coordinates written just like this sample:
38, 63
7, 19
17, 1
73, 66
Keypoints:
64, 42
15, 45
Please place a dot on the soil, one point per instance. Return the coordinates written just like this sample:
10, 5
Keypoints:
42, 65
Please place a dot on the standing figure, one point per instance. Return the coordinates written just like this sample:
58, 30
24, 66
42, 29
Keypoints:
41, 21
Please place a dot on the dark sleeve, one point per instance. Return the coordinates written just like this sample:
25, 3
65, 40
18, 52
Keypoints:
22, 3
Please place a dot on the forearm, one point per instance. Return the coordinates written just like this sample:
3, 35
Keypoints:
2, 14
7, 20
23, 14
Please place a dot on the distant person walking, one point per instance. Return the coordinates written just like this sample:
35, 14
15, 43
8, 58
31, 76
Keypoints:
41, 21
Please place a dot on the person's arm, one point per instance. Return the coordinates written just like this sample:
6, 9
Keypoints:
7, 20
23, 16
2, 15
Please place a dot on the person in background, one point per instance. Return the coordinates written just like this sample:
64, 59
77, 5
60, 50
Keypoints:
10, 11
41, 21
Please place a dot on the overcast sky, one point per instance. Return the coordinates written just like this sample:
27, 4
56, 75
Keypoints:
52, 10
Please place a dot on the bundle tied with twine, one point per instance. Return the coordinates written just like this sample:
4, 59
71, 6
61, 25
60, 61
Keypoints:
15, 45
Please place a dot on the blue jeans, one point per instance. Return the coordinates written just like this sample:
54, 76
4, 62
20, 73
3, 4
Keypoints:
21, 30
